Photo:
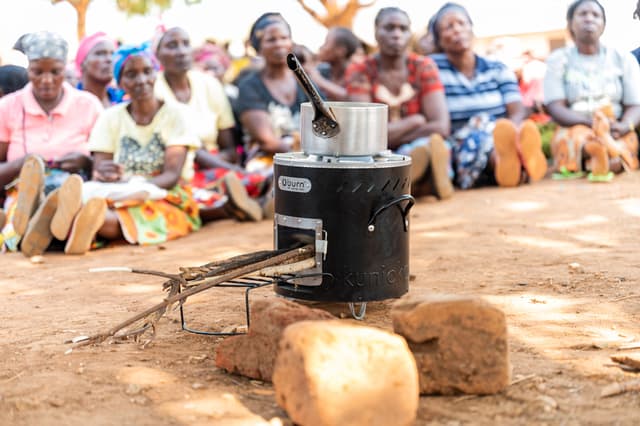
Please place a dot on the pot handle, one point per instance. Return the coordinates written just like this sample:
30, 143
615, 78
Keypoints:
371, 226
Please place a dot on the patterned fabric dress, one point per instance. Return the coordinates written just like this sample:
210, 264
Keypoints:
141, 150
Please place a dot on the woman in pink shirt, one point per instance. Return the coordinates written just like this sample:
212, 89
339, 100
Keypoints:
47, 123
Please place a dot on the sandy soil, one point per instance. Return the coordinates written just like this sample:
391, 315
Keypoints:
515, 247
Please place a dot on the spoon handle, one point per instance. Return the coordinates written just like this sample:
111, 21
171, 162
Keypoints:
308, 87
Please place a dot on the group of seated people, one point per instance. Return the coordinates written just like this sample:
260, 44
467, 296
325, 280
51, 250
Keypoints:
149, 158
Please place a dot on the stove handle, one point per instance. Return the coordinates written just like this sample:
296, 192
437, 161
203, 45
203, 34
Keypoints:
371, 226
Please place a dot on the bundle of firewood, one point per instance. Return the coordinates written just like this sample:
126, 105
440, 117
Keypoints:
193, 280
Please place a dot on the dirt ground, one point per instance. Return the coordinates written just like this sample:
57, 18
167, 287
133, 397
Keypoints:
559, 257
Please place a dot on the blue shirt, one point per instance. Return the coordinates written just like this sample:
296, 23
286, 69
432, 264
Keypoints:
114, 94
492, 87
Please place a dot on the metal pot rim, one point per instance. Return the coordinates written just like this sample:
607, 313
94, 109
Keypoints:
351, 105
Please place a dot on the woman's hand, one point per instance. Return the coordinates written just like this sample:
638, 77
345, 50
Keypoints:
108, 171
619, 129
73, 162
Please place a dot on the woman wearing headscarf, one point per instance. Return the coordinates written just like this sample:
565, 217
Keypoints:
210, 114
44, 129
592, 92
491, 138
94, 68
269, 100
145, 142
409, 84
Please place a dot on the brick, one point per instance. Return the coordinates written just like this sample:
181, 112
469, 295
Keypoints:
254, 354
460, 343
336, 373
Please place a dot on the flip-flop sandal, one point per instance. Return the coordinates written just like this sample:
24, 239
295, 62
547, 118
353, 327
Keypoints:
30, 187
440, 159
419, 162
600, 178
508, 167
38, 235
69, 202
243, 206
530, 146
85, 226
565, 174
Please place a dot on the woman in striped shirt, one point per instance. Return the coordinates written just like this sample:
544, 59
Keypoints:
492, 140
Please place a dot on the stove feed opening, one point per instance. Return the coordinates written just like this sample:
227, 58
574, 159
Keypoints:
295, 231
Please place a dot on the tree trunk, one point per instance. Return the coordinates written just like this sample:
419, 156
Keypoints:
337, 15
80, 7
81, 10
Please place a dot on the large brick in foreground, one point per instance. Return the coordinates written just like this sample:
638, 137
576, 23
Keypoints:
460, 343
336, 373
254, 353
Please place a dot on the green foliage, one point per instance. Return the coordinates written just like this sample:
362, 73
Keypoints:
141, 7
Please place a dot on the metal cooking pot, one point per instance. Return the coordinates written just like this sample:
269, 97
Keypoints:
363, 130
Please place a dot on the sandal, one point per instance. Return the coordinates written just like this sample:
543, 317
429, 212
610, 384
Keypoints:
239, 204
565, 174
508, 167
530, 146
30, 187
600, 178
440, 162
69, 202
86, 224
38, 235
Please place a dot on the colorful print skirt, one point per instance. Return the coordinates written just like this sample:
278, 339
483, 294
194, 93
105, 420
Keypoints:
157, 221
472, 146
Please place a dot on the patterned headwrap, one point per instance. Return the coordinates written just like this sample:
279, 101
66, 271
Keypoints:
160, 31
45, 44
258, 27
123, 53
435, 19
86, 45
213, 51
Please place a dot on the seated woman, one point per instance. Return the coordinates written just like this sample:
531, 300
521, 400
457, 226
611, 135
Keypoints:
592, 92
333, 56
492, 141
47, 123
94, 68
268, 103
147, 141
214, 60
211, 117
409, 84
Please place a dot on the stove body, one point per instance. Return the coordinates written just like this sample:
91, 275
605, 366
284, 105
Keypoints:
353, 207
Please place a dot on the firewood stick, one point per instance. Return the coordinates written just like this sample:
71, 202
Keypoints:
136, 271
296, 254
629, 361
289, 268
618, 388
631, 296
212, 269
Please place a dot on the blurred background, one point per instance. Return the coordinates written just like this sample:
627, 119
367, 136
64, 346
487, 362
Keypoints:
504, 28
